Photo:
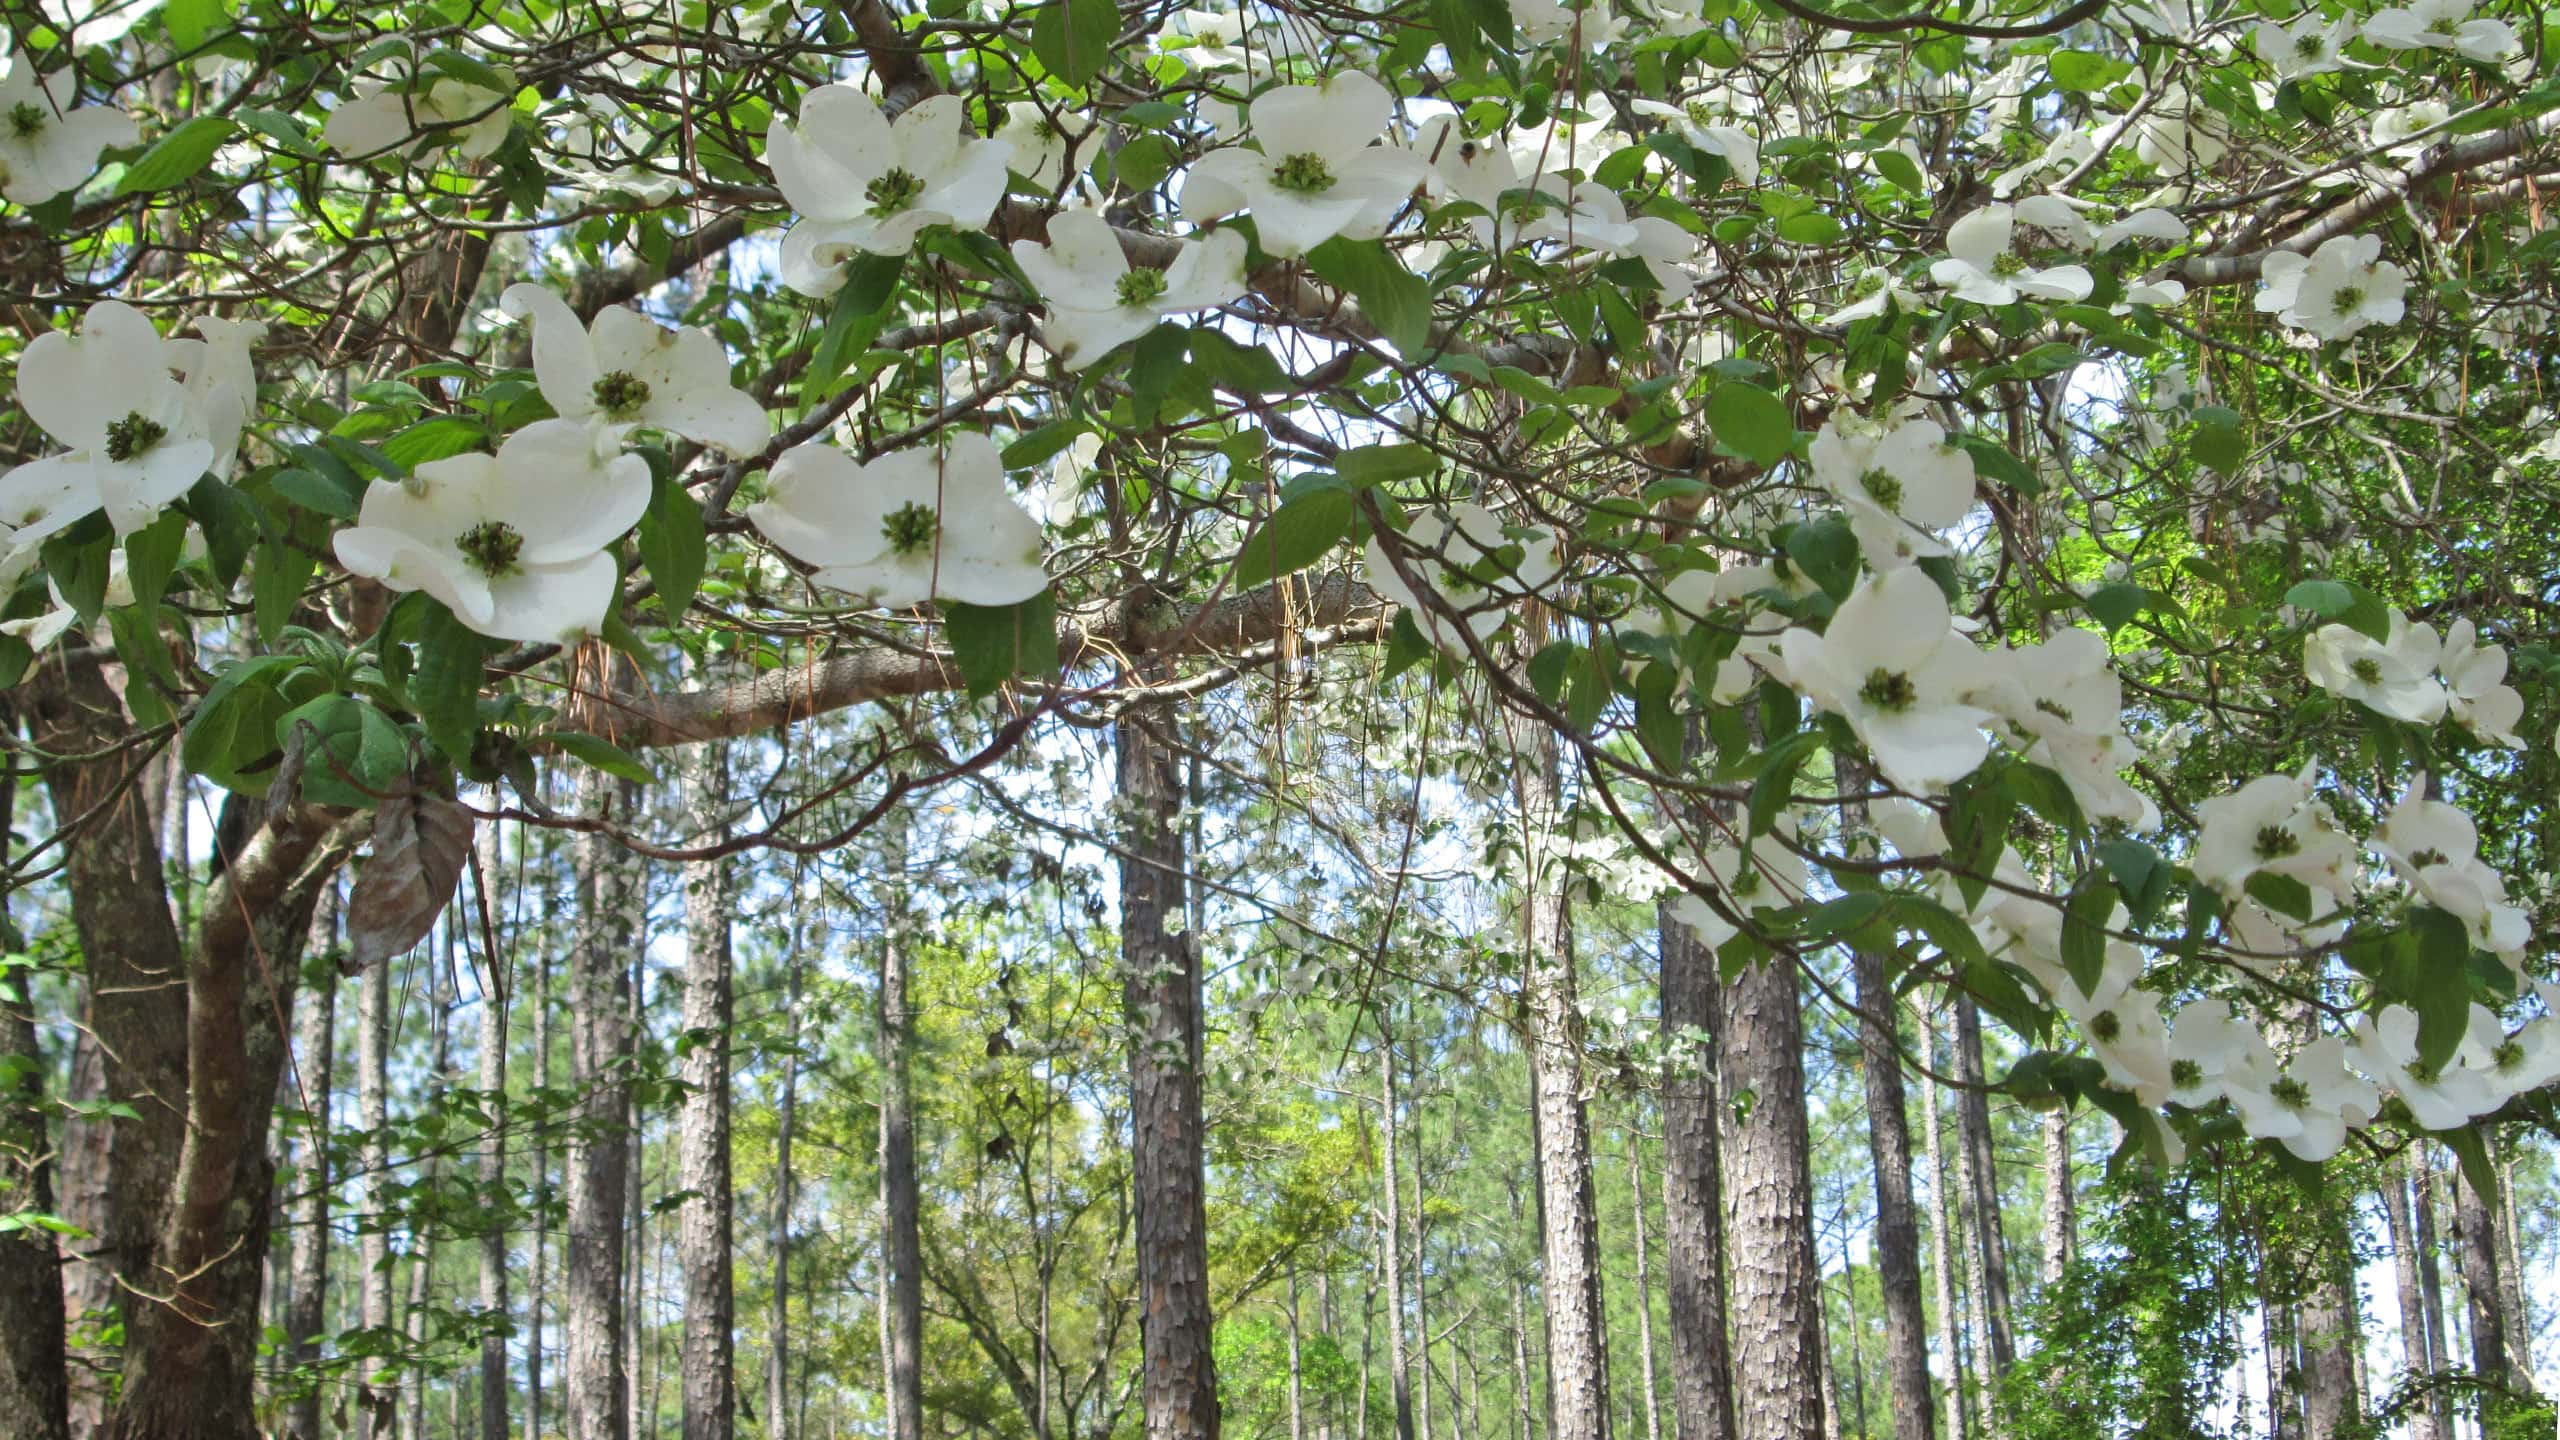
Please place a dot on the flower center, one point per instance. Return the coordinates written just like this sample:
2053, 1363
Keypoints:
1305, 174
1045, 129
2310, 47
1747, 883
2275, 842
2105, 1027
910, 528
893, 193
2508, 1055
492, 547
1888, 690
2006, 266
1140, 286
2368, 670
1880, 484
133, 435
2420, 1072
26, 118
620, 394
1700, 112
2055, 710
2292, 1094
2349, 299
2185, 1074
2444, 25
2424, 858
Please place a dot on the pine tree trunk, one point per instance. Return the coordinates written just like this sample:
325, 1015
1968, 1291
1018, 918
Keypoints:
1777, 1282
1390, 1242
2475, 1232
477, 898
2424, 1422
316, 1041
373, 1113
1644, 1286
1693, 1238
2511, 1291
1577, 1334
35, 1394
593, 1360
538, 1296
708, 1364
2061, 1227
1420, 1241
636, 1340
1897, 1233
1528, 1421
903, 1249
1944, 1242
777, 1364
421, 1247
1982, 1185
1161, 988
1297, 1369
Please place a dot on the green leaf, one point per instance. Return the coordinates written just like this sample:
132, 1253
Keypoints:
1363, 466
231, 525
231, 740
77, 562
436, 439
2084, 931
2114, 606
1406, 646
351, 751
2281, 893
2340, 603
180, 155
2141, 876
1826, 550
192, 22
1751, 422
445, 688
1774, 787
1396, 300
1658, 717
339, 496
1075, 38
2079, 70
861, 308
673, 543
151, 556
2471, 1152
1043, 444
1900, 169
276, 584
150, 678
1297, 535
994, 643
2441, 993
603, 754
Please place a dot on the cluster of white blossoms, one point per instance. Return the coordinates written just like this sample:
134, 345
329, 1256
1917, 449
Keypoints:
144, 416
2418, 676
2336, 290
906, 528
517, 544
385, 118
864, 184
1471, 565
1983, 264
49, 146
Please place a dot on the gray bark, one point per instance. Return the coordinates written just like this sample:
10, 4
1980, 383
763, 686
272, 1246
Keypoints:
1777, 1281
1160, 981
2425, 1423
777, 1368
316, 1040
1693, 1238
1644, 1286
1577, 1334
2475, 1232
373, 1113
1944, 1242
594, 1363
903, 1248
494, 993
2061, 1221
1391, 1242
1897, 1234
35, 1392
1982, 1186
708, 1363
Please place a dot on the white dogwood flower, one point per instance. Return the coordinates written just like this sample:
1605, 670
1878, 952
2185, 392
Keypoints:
1097, 301
2446, 1097
513, 543
2311, 45
627, 372
2394, 678
137, 438
2213, 1052
2435, 849
863, 184
2271, 824
2476, 691
2337, 290
219, 370
1317, 175
909, 527
1044, 142
1889, 664
48, 145
1594, 217
2311, 1106
1981, 267
1463, 555
383, 118
1900, 486
2441, 25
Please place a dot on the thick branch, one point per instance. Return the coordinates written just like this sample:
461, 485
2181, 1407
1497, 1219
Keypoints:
783, 697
